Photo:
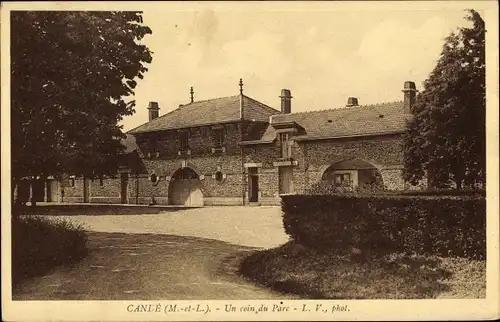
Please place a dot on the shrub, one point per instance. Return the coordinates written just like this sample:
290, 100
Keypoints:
39, 244
378, 224
328, 187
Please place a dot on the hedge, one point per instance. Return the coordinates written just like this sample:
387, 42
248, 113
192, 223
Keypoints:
39, 244
378, 224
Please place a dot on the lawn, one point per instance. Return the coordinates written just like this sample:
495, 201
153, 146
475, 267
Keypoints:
294, 269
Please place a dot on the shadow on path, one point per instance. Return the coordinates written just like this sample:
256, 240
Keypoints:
146, 267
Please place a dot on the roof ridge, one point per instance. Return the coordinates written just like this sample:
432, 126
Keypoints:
344, 108
208, 100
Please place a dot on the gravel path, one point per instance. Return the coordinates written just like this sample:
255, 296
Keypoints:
181, 254
149, 267
247, 226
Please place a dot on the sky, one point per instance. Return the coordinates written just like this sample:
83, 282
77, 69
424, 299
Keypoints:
323, 56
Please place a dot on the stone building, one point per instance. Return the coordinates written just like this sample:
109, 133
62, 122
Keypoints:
236, 150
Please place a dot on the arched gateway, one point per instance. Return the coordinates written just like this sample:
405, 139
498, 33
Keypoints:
185, 188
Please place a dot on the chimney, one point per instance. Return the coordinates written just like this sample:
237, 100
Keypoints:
352, 101
286, 101
154, 110
410, 94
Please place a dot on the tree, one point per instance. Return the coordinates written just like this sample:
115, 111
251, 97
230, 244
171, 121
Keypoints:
446, 137
71, 74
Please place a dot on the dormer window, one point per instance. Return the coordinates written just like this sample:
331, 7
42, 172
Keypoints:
285, 131
286, 147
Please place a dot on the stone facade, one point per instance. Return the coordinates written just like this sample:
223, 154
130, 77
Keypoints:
250, 167
312, 158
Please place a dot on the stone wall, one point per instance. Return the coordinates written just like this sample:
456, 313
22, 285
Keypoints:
314, 157
73, 193
201, 141
109, 192
384, 152
311, 159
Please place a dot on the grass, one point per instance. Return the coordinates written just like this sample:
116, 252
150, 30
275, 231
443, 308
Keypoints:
40, 244
294, 269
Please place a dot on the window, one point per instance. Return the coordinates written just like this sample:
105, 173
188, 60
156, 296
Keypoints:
71, 182
154, 178
219, 176
154, 147
184, 141
101, 181
342, 179
218, 138
286, 148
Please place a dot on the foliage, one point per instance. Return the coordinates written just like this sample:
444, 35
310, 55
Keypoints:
446, 137
378, 224
328, 187
72, 72
327, 275
39, 244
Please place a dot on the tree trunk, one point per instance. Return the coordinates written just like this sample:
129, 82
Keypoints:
32, 187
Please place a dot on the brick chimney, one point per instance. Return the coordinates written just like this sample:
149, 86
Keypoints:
286, 101
410, 94
154, 110
352, 101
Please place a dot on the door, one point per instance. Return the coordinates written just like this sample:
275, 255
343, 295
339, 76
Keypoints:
185, 189
86, 190
38, 190
53, 193
124, 187
285, 179
253, 185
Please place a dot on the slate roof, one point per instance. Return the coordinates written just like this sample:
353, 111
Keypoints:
213, 111
360, 120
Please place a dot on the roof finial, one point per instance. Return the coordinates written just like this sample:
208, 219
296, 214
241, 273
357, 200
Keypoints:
192, 94
241, 86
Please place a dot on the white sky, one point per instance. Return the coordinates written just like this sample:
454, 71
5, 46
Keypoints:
322, 56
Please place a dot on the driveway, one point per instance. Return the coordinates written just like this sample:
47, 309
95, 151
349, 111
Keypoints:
185, 254
246, 226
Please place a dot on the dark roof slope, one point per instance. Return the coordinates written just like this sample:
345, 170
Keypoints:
213, 111
361, 120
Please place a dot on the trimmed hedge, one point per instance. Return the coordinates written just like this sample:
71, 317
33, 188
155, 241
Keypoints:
39, 244
378, 224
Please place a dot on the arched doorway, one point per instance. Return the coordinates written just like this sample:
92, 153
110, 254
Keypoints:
185, 188
353, 174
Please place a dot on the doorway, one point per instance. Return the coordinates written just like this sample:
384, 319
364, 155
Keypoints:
253, 185
185, 188
285, 179
53, 191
